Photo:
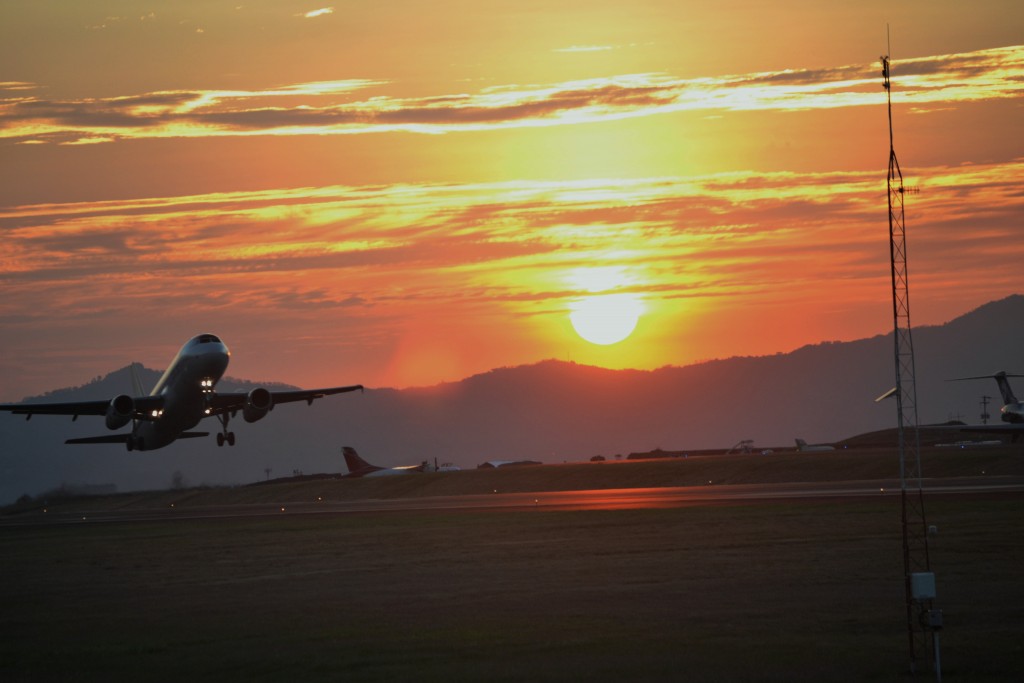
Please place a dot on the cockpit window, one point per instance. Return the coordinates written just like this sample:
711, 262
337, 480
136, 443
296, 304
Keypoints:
208, 338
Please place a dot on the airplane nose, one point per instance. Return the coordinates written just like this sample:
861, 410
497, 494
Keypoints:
214, 359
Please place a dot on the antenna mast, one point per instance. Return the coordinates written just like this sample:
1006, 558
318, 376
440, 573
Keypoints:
922, 619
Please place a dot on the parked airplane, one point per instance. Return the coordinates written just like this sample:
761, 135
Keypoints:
802, 446
1012, 412
184, 395
357, 467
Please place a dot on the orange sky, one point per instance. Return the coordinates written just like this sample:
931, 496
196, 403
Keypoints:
404, 193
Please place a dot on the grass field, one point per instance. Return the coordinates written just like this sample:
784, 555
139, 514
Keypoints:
767, 592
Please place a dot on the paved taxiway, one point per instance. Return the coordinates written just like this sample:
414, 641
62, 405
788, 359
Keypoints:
594, 499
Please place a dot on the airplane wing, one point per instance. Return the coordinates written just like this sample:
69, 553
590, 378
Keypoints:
143, 407
224, 403
1014, 429
123, 438
309, 395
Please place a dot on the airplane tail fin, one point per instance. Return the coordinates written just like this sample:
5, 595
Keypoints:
354, 462
801, 444
1001, 379
1004, 386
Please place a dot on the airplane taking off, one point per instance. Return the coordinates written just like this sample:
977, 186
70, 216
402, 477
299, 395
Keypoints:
802, 446
357, 467
184, 395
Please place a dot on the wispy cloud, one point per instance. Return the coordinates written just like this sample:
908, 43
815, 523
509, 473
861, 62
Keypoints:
585, 48
321, 108
514, 244
14, 86
313, 14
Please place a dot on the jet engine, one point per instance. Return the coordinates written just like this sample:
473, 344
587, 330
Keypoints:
120, 411
257, 403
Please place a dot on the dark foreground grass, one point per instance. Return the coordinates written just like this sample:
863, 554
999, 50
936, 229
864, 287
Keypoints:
771, 592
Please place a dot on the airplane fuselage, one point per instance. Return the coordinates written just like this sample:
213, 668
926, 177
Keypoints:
184, 386
1012, 413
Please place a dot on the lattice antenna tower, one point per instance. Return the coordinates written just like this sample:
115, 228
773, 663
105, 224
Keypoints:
916, 562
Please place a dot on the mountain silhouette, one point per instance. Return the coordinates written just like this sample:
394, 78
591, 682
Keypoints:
551, 411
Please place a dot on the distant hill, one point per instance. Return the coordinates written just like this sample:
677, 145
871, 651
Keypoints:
120, 382
550, 411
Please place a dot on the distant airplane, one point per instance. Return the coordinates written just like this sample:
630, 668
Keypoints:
357, 467
1012, 412
802, 446
184, 395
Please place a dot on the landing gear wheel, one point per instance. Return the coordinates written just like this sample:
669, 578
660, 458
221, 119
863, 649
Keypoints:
225, 436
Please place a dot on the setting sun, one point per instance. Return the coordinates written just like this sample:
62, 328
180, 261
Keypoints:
606, 319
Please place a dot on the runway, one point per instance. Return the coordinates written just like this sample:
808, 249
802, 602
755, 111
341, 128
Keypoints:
593, 499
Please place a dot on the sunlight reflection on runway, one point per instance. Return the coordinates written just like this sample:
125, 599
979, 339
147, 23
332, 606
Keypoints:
595, 499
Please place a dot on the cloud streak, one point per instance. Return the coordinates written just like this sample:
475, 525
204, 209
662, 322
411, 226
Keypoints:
313, 14
513, 243
332, 108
